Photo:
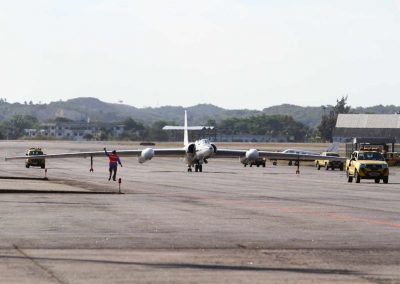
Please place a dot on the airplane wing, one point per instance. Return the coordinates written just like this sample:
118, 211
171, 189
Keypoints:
122, 153
178, 152
252, 153
294, 157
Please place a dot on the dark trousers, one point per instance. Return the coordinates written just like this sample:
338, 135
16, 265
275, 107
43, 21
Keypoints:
113, 168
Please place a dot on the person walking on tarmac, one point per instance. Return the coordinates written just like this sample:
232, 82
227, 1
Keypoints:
114, 161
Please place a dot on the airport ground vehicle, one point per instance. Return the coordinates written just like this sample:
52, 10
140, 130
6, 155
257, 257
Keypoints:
329, 164
367, 165
36, 162
393, 158
257, 162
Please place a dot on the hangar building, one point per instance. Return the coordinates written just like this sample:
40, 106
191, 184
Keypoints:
349, 126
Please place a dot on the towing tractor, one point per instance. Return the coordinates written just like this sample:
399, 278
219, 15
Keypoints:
367, 165
257, 162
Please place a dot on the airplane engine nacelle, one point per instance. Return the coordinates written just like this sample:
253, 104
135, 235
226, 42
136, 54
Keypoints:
252, 155
145, 155
191, 149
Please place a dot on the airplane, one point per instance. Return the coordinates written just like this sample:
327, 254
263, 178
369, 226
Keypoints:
195, 154
332, 148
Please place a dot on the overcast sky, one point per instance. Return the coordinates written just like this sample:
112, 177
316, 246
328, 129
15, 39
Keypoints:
231, 53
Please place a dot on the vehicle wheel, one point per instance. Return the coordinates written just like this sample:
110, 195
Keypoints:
42, 166
326, 166
196, 168
189, 169
290, 163
263, 165
250, 165
318, 166
385, 179
27, 166
245, 165
274, 163
258, 165
357, 177
377, 180
200, 168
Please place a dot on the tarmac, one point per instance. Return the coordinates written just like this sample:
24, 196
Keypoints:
228, 224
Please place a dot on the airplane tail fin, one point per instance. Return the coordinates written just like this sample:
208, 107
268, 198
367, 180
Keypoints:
333, 147
186, 132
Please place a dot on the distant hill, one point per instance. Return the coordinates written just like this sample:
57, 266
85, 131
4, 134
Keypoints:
97, 110
310, 116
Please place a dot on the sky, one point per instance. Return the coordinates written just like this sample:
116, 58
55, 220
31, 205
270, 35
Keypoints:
231, 53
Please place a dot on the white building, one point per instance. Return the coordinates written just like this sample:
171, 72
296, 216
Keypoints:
76, 130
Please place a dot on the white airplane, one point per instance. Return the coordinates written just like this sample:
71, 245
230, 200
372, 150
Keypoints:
195, 154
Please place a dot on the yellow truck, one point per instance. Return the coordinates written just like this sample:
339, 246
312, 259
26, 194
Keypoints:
367, 165
329, 164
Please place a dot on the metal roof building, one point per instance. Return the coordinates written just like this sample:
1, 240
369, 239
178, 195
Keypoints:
349, 126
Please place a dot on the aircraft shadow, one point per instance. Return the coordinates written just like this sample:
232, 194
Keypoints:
193, 172
215, 267
28, 191
23, 178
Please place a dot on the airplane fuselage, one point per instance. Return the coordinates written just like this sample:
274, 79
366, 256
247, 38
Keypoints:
198, 152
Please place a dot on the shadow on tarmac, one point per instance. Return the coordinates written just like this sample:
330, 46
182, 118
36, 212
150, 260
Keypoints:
24, 178
25, 191
194, 266
204, 172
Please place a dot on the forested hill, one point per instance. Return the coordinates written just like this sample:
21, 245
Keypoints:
311, 116
96, 110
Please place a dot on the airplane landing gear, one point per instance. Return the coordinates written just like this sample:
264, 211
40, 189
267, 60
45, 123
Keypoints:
198, 168
91, 164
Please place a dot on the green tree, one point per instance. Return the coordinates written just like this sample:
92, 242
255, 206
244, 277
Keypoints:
272, 125
156, 133
133, 130
18, 123
59, 119
328, 121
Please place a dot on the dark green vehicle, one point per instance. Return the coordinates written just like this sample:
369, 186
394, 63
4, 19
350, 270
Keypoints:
35, 162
